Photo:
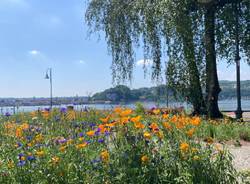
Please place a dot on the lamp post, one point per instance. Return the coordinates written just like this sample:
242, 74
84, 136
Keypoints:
49, 76
237, 61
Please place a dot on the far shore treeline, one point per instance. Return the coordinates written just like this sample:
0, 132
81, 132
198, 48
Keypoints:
123, 94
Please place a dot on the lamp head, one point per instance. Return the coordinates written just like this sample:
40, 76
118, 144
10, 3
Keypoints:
47, 76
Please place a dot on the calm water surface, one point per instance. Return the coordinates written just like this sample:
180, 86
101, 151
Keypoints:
229, 105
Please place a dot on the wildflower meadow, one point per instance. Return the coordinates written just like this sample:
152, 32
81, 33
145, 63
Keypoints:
118, 146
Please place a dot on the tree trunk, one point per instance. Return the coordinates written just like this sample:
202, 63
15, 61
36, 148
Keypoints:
212, 82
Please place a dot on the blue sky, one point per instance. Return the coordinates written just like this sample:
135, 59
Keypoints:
37, 34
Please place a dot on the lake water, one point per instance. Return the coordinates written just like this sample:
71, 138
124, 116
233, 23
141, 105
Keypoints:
226, 105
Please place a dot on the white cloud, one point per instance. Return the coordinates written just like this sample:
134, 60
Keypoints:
146, 62
81, 62
34, 52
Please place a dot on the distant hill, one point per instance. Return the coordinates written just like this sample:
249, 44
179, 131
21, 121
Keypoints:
123, 93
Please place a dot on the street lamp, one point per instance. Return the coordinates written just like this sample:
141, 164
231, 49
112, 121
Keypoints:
237, 61
49, 76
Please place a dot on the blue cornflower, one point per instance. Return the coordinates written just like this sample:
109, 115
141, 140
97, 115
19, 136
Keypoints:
31, 158
21, 163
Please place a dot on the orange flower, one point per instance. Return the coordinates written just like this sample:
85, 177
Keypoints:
196, 121
135, 119
102, 128
165, 116
126, 112
167, 126
19, 132
25, 126
190, 132
118, 110
139, 125
124, 120
154, 127
174, 119
105, 120
90, 133
184, 147
80, 146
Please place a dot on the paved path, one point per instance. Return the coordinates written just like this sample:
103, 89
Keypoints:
241, 156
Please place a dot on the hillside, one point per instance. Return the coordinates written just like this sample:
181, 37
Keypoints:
123, 93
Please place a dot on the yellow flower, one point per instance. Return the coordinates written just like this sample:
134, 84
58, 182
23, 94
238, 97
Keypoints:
160, 134
55, 160
40, 153
39, 138
81, 139
194, 150
144, 159
10, 164
105, 156
196, 157
147, 135
184, 147
156, 111
80, 146
90, 133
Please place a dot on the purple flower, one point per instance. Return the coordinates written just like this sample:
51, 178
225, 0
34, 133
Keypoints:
81, 134
20, 155
7, 114
21, 163
63, 110
92, 125
107, 133
61, 141
101, 140
97, 132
